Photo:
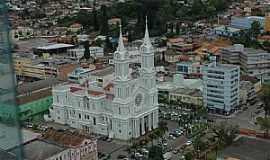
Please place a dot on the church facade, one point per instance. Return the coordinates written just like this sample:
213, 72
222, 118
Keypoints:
127, 109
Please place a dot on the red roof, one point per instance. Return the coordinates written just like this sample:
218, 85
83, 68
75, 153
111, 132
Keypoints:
74, 89
95, 93
108, 87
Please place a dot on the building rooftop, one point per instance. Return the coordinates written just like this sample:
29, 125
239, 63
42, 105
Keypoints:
36, 85
221, 66
253, 51
40, 150
64, 138
229, 29
55, 46
78, 71
246, 148
103, 72
187, 91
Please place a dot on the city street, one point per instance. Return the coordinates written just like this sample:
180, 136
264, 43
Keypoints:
244, 119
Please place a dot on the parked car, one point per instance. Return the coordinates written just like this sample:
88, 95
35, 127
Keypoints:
121, 156
188, 143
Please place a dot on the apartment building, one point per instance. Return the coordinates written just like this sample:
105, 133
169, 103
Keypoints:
221, 87
29, 67
253, 62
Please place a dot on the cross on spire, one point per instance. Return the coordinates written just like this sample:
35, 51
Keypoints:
147, 41
121, 47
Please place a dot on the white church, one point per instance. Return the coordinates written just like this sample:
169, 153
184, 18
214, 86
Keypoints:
126, 108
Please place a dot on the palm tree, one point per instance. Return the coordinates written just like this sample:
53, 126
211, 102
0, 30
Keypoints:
224, 134
264, 124
265, 97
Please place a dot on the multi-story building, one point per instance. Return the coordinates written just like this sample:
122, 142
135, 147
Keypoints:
188, 96
221, 87
28, 67
253, 62
247, 92
256, 62
127, 108
188, 68
231, 54
78, 53
78, 74
56, 145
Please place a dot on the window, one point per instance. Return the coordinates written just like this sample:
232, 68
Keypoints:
57, 99
119, 110
94, 120
80, 116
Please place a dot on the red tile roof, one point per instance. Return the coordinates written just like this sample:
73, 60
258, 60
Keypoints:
64, 138
74, 89
95, 93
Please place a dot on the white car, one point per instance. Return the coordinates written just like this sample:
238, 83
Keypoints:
188, 143
138, 155
144, 150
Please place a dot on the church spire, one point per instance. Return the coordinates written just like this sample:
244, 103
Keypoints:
121, 47
147, 41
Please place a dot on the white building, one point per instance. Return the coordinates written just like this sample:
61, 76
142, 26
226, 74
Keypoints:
78, 53
221, 87
126, 108
78, 74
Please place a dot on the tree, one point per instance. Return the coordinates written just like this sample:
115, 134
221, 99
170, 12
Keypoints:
255, 29
155, 153
188, 156
264, 123
104, 21
225, 133
86, 50
265, 97
95, 20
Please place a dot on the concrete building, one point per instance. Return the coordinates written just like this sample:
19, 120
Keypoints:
256, 62
127, 108
33, 101
188, 68
27, 66
55, 145
21, 33
187, 96
247, 93
221, 87
226, 31
78, 74
253, 62
77, 53
231, 54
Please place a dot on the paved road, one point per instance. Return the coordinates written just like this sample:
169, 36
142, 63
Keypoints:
244, 119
